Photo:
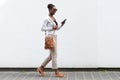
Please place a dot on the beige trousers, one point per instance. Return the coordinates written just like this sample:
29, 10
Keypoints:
53, 55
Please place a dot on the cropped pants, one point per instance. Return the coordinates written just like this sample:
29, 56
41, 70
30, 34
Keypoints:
53, 54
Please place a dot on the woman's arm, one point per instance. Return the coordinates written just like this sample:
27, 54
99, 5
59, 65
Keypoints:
47, 26
59, 27
62, 23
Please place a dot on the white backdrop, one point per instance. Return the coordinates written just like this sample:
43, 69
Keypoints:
90, 37
108, 26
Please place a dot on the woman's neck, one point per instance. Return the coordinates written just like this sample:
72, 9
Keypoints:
51, 16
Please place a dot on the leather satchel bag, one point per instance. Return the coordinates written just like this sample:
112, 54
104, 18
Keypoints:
49, 42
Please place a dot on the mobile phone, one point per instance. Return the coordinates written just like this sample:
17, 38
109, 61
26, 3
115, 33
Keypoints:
64, 20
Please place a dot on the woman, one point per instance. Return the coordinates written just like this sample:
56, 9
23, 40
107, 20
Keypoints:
49, 26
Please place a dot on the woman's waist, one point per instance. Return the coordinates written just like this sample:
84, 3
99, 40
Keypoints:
50, 32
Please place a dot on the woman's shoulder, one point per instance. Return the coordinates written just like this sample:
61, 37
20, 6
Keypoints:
47, 18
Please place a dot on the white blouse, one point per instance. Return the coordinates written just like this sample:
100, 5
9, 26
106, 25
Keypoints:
48, 25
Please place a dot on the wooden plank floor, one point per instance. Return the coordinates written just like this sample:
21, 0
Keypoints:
73, 75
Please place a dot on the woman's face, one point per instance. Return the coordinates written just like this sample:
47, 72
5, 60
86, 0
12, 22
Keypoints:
53, 11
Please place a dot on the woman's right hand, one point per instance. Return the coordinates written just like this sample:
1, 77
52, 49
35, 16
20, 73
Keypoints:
55, 27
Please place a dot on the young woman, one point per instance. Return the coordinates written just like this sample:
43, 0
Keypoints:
49, 26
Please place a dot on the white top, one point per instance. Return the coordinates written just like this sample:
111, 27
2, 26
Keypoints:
48, 25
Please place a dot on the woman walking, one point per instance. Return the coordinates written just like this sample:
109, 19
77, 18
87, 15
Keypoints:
49, 26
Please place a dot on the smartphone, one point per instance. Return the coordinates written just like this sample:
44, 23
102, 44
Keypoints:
64, 21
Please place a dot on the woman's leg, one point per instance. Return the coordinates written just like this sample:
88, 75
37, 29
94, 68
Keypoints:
54, 53
46, 61
54, 58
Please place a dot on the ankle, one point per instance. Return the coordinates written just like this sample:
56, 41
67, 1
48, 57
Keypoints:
56, 71
41, 67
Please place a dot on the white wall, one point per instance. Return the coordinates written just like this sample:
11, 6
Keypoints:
84, 41
108, 33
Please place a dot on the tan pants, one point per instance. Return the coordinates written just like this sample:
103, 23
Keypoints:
53, 55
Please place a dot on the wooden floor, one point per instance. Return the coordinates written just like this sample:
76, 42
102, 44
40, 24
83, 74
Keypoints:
69, 75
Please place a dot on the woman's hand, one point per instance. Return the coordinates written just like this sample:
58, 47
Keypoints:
55, 27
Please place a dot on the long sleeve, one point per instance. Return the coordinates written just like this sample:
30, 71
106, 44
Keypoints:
59, 27
47, 25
